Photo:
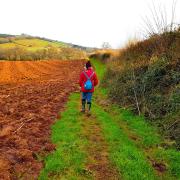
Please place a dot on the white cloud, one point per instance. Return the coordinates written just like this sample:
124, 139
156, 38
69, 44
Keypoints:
84, 22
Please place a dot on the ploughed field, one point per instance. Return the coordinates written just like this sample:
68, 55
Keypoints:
31, 95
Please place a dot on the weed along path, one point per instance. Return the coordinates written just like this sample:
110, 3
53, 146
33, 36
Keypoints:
111, 144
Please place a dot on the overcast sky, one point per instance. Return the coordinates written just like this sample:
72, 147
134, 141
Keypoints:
83, 22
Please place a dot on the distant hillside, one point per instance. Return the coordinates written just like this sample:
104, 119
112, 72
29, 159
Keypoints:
37, 42
25, 47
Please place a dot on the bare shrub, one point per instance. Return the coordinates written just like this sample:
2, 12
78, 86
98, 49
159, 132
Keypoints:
158, 22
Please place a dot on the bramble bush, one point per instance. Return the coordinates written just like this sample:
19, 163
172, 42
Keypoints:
145, 78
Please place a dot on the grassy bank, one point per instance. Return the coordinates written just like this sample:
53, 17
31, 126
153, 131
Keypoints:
144, 77
134, 132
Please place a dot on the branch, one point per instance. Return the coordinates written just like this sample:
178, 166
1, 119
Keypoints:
22, 124
172, 124
135, 94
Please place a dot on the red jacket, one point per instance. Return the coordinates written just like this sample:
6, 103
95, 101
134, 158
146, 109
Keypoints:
83, 79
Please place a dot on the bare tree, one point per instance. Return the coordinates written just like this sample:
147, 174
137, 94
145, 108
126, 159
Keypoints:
106, 45
157, 21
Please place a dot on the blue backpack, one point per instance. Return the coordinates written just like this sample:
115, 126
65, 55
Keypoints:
88, 84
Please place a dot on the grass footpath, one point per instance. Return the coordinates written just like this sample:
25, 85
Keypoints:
68, 161
110, 144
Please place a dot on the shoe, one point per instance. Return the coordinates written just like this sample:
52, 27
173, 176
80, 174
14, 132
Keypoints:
83, 105
89, 108
88, 114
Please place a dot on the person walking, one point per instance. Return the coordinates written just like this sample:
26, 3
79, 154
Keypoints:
88, 80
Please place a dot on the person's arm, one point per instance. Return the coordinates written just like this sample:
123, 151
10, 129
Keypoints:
95, 80
81, 80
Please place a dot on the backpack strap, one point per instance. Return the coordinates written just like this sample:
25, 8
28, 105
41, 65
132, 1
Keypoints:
87, 75
91, 75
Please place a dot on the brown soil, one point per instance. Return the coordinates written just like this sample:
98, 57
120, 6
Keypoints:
160, 167
31, 95
98, 155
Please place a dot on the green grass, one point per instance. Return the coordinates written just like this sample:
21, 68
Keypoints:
172, 157
148, 134
129, 160
69, 159
147, 142
99, 67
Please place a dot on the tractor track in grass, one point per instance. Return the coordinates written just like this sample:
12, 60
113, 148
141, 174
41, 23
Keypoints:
98, 153
82, 152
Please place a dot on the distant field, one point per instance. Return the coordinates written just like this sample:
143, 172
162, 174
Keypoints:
31, 44
22, 48
1, 38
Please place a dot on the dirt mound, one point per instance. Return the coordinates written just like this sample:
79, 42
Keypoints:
31, 95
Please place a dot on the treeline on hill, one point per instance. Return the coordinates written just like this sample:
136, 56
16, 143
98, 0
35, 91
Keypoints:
20, 53
36, 48
145, 77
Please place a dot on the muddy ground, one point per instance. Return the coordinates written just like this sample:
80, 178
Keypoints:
31, 95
